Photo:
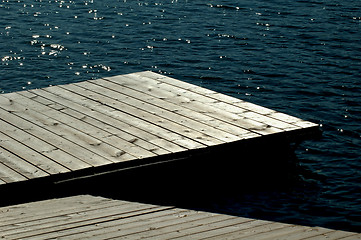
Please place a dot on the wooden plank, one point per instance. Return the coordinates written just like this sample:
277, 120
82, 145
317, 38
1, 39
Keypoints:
68, 132
304, 233
143, 129
139, 113
228, 102
24, 152
173, 228
123, 225
50, 151
83, 212
171, 131
99, 120
209, 229
20, 165
352, 237
31, 212
82, 217
177, 109
271, 232
109, 120
205, 107
45, 129
138, 230
162, 112
333, 235
95, 138
75, 221
8, 175
224, 228
243, 107
227, 99
46, 223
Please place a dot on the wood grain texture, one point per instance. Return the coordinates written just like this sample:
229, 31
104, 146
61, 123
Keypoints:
89, 217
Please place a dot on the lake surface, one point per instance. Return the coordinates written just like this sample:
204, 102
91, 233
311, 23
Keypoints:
301, 57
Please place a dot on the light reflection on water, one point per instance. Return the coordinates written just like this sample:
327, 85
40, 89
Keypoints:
299, 57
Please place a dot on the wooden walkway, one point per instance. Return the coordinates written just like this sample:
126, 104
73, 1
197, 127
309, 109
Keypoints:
124, 119
89, 217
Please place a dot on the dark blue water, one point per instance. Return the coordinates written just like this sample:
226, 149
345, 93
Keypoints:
301, 57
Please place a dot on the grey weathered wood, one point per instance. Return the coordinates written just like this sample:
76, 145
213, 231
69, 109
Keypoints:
163, 112
20, 165
88, 217
195, 102
42, 147
9, 175
226, 101
126, 225
76, 220
107, 123
31, 156
68, 129
151, 118
125, 118
181, 111
150, 131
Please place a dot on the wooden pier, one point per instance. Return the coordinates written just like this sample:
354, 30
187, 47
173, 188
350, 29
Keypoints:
89, 217
97, 127
126, 121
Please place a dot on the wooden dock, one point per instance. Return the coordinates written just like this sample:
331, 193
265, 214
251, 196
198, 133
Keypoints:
97, 127
89, 217
124, 121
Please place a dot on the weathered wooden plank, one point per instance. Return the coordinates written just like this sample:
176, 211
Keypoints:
270, 231
138, 230
177, 109
123, 225
77, 221
83, 217
224, 228
244, 108
72, 138
270, 121
171, 229
162, 112
50, 151
193, 229
333, 235
24, 152
43, 225
20, 165
95, 138
47, 129
228, 100
111, 125
194, 104
303, 233
166, 112
164, 129
33, 211
151, 118
143, 129
10, 175
352, 237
